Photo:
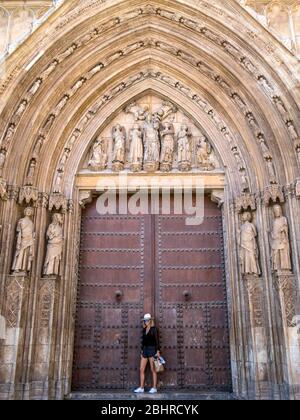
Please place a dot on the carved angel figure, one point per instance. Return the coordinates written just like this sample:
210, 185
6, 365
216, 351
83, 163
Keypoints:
119, 139
98, 160
184, 148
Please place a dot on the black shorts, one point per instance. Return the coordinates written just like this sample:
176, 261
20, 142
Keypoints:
149, 352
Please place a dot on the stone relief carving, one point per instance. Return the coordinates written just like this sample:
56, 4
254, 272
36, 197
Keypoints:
119, 139
3, 189
98, 160
54, 246
286, 285
31, 172
58, 182
168, 146
142, 44
150, 140
245, 202
58, 202
152, 144
248, 246
28, 194
24, 254
184, 148
204, 155
136, 153
2, 160
273, 193
214, 37
139, 112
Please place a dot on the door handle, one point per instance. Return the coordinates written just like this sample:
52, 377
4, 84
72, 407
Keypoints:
187, 295
119, 294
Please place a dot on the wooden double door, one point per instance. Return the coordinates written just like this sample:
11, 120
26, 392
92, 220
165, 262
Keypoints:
135, 264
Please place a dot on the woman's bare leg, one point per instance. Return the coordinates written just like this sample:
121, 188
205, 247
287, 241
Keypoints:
144, 363
154, 374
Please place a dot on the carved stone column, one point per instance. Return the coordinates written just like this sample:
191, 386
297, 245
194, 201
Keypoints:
286, 287
44, 357
255, 296
11, 349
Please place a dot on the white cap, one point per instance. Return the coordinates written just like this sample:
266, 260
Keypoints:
147, 317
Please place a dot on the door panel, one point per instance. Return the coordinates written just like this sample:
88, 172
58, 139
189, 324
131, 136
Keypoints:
163, 266
191, 289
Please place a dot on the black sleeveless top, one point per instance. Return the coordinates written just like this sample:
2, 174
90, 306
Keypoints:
151, 339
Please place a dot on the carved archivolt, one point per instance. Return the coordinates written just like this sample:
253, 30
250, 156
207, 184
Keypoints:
267, 85
98, 154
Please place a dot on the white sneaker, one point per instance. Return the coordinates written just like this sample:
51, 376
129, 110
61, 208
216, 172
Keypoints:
139, 391
153, 391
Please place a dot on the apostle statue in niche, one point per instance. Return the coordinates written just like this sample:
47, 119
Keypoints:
119, 140
184, 148
136, 152
24, 254
281, 255
168, 144
54, 247
152, 144
204, 152
248, 246
98, 160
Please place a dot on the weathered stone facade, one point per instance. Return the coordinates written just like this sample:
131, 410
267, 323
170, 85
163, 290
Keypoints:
236, 85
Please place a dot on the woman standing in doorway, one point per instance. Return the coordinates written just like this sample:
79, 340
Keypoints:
150, 350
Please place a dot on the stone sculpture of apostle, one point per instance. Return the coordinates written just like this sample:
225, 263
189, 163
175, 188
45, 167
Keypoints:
184, 148
168, 145
152, 145
136, 153
281, 255
24, 254
54, 246
98, 160
248, 246
119, 139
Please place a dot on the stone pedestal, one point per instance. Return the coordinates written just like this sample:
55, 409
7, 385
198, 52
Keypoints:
288, 296
11, 348
44, 356
260, 372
